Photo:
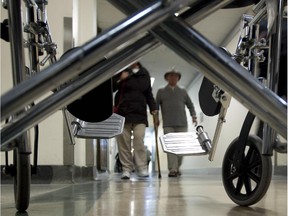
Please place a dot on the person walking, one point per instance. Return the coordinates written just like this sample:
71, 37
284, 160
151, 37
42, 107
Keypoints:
172, 101
134, 93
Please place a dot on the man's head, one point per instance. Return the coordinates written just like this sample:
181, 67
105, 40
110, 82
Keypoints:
172, 77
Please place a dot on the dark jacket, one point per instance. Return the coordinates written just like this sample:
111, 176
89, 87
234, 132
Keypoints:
133, 95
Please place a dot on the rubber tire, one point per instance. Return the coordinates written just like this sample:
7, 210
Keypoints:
255, 171
22, 180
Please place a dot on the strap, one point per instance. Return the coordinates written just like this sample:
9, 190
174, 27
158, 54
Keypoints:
120, 96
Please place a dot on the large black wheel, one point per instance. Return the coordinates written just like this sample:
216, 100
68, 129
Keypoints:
246, 180
22, 180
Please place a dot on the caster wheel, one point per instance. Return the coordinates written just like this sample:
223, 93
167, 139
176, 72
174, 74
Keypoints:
246, 175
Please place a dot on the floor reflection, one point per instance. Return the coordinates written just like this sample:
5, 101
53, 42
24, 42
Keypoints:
189, 194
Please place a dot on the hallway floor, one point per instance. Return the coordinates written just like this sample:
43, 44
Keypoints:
190, 194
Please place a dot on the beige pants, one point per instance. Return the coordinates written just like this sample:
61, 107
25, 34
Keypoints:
125, 145
174, 161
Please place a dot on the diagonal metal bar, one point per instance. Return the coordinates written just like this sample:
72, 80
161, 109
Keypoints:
44, 107
92, 78
197, 11
95, 76
86, 56
223, 71
231, 76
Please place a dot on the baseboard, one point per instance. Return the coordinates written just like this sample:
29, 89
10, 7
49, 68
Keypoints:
73, 174
55, 174
277, 171
280, 170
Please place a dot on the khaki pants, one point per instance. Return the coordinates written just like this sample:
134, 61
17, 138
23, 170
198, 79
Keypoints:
174, 161
124, 143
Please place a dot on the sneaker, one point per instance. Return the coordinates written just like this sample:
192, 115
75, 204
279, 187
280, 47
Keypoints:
173, 174
143, 173
125, 175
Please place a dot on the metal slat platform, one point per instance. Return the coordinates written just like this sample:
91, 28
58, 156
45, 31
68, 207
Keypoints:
108, 128
185, 143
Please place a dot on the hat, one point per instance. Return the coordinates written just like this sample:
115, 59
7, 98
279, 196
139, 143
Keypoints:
172, 72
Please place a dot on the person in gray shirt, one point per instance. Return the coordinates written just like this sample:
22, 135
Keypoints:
172, 101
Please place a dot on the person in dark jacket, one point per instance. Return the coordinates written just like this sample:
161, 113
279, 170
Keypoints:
134, 93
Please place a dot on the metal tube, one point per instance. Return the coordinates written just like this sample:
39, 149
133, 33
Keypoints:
16, 41
276, 51
186, 55
50, 105
224, 71
227, 73
33, 50
269, 135
197, 11
85, 57
93, 77
18, 62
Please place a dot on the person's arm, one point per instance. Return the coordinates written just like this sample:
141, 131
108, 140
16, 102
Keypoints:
194, 120
191, 108
151, 101
158, 99
118, 78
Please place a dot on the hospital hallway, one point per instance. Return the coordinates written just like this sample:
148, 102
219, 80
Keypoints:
190, 194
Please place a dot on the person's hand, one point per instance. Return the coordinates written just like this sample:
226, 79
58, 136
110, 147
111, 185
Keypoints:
124, 75
155, 117
194, 120
154, 112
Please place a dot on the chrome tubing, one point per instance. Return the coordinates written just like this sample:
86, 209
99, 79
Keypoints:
86, 56
269, 135
92, 78
224, 72
16, 40
204, 139
232, 77
62, 98
18, 64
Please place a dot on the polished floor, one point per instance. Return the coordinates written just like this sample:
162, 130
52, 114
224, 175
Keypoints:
190, 194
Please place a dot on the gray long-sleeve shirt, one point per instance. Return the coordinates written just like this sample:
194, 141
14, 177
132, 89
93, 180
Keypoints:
172, 102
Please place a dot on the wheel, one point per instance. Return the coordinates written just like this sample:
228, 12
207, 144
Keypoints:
246, 180
22, 180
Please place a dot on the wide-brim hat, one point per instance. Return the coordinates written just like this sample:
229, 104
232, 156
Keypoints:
172, 72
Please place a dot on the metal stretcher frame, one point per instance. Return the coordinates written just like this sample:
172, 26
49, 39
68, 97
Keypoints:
174, 33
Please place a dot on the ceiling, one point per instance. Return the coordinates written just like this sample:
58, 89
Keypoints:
215, 28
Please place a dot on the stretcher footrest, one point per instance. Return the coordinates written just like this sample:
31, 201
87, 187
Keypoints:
184, 143
108, 128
